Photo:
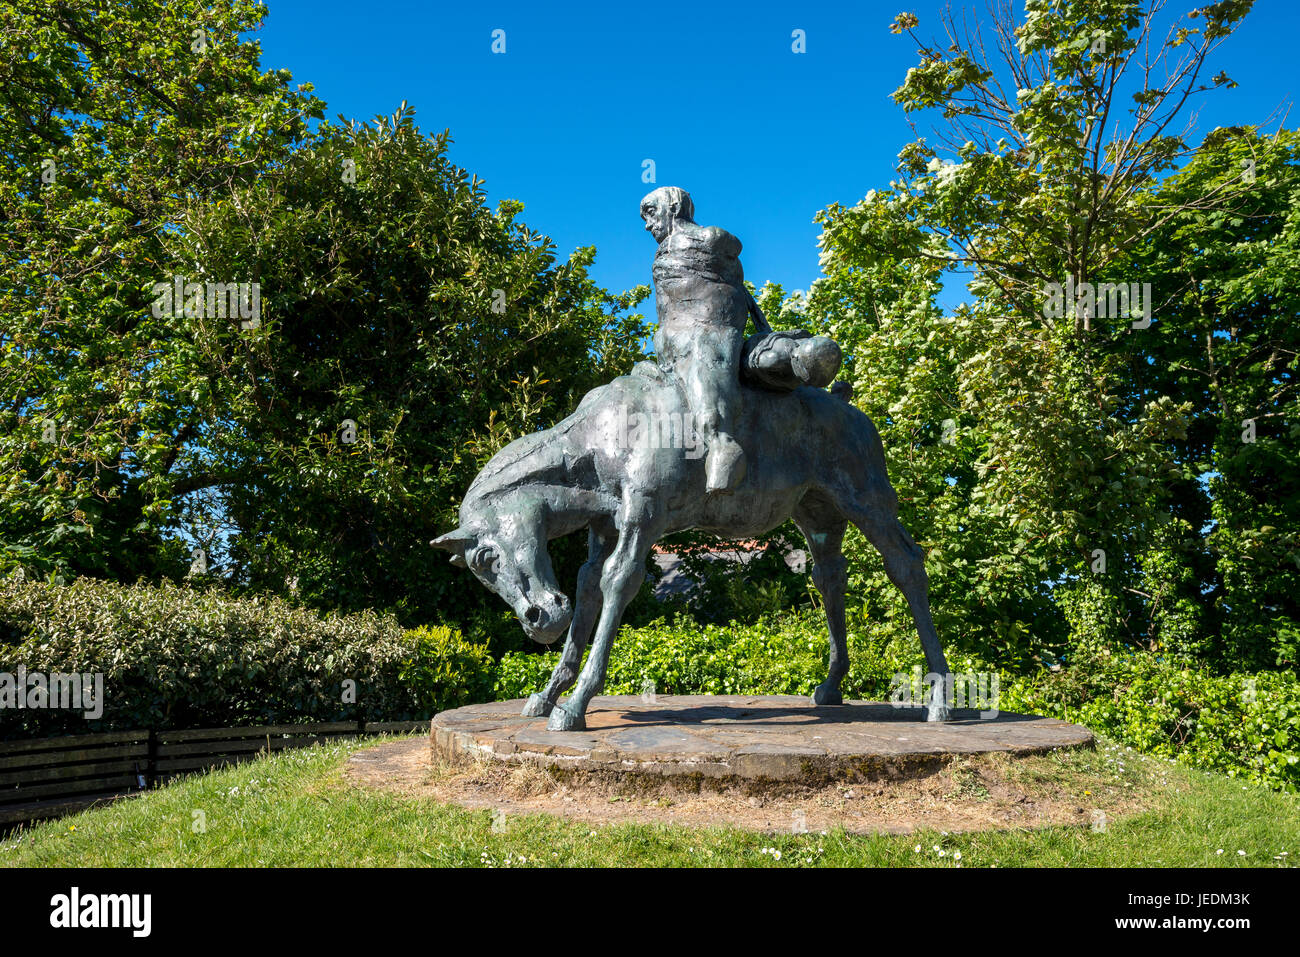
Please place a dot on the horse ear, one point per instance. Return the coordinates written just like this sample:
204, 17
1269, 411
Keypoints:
454, 542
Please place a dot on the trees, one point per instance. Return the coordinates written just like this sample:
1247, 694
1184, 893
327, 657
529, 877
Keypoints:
112, 117
1078, 476
408, 333
1060, 455
1228, 343
403, 329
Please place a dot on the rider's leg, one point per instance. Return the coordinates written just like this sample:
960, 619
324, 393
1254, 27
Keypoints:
712, 386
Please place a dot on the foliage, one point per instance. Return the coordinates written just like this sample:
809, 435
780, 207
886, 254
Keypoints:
731, 585
772, 656
175, 656
1046, 460
410, 347
181, 657
110, 121
406, 331
444, 670
1243, 725
1226, 341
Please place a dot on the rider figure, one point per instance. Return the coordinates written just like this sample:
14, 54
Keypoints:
703, 307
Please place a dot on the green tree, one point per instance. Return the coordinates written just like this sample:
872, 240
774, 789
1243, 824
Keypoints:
408, 332
112, 117
1228, 343
1045, 468
403, 331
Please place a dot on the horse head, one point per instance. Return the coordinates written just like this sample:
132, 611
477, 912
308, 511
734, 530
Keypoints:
509, 557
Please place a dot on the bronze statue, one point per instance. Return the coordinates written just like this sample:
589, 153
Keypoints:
778, 447
703, 307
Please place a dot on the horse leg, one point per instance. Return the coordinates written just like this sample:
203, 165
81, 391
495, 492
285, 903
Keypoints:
905, 565
824, 530
619, 581
586, 607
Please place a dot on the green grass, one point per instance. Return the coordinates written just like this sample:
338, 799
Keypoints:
295, 809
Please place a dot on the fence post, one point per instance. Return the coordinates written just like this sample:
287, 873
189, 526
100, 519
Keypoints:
151, 760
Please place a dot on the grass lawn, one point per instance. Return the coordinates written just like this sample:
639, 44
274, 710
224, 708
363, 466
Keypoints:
296, 809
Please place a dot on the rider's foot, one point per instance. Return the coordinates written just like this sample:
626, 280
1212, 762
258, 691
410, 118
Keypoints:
724, 466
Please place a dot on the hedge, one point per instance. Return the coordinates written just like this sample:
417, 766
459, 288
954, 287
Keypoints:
178, 657
175, 657
1242, 725
774, 656
1245, 726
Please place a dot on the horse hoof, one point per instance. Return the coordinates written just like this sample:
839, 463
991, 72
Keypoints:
564, 720
537, 707
827, 695
938, 713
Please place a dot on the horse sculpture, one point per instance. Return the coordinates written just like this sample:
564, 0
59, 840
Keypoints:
812, 457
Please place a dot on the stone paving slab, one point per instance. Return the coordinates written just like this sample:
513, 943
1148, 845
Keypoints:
778, 737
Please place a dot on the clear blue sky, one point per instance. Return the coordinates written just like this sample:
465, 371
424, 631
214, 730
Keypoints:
761, 137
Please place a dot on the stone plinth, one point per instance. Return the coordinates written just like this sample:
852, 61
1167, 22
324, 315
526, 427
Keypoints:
761, 738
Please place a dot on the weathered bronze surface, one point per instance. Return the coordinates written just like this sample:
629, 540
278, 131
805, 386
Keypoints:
681, 443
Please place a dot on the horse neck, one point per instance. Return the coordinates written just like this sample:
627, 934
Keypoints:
543, 481
533, 459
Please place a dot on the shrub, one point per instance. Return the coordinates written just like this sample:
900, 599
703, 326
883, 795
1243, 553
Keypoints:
176, 657
729, 586
774, 656
1243, 725
444, 670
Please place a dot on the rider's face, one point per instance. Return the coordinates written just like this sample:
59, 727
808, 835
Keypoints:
658, 220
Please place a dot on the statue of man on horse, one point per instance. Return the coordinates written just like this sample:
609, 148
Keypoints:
779, 446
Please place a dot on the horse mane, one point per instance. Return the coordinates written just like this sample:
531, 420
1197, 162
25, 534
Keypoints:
546, 456
520, 460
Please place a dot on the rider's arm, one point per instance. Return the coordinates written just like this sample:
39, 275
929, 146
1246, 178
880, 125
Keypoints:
760, 321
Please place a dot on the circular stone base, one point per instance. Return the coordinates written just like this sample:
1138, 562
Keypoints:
759, 738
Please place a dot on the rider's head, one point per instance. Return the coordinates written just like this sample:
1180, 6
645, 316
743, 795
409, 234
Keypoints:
663, 209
